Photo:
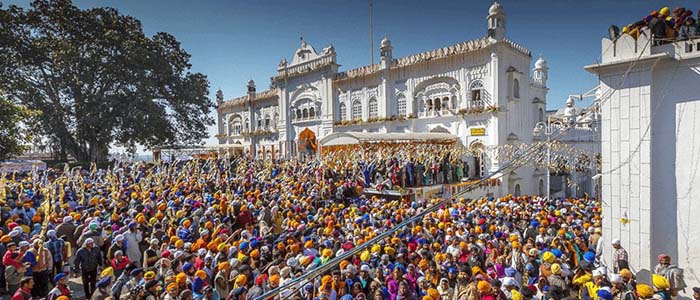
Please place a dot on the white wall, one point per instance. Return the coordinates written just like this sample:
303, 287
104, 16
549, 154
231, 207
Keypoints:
651, 153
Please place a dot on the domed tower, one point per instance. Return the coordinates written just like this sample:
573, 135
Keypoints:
497, 22
385, 52
540, 72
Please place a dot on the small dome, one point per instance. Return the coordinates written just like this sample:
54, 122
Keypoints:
385, 42
540, 63
570, 102
496, 9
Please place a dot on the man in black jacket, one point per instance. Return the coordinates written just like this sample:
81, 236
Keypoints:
87, 261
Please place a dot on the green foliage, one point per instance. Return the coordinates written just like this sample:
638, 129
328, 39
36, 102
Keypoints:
99, 80
14, 128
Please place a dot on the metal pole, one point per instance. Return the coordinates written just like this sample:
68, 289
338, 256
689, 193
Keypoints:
548, 134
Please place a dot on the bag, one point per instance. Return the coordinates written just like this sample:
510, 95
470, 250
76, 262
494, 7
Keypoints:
676, 277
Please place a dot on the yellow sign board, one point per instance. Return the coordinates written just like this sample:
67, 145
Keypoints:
479, 131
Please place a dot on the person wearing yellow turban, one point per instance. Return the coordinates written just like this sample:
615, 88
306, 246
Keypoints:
255, 254
548, 257
240, 281
274, 280
150, 275
172, 290
660, 283
343, 264
644, 291
365, 256
484, 287
434, 294
390, 251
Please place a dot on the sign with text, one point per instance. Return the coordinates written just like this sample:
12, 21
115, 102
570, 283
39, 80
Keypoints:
478, 131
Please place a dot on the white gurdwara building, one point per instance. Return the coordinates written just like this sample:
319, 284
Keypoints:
649, 102
481, 91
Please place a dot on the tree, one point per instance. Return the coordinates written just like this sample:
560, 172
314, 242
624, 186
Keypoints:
15, 121
99, 80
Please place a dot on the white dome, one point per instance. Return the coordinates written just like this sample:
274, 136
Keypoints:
385, 42
496, 9
540, 63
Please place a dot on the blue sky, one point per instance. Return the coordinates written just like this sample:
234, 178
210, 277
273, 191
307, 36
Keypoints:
234, 41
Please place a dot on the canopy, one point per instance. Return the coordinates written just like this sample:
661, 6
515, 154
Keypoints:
352, 138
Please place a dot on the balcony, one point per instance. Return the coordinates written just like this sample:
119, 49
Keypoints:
304, 120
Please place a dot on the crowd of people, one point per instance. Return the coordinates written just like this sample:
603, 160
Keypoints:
405, 165
237, 228
666, 25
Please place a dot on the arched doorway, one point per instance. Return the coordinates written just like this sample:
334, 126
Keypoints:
517, 190
478, 150
307, 144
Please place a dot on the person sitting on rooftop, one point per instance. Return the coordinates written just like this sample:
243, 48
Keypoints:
688, 30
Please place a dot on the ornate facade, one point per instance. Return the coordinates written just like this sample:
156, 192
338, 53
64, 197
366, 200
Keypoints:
482, 91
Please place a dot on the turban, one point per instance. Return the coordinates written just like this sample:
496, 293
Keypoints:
172, 286
434, 294
327, 253
483, 286
149, 275
556, 269
241, 280
343, 264
107, 272
223, 266
275, 279
660, 282
389, 250
181, 278
644, 291
604, 294
548, 257
626, 274
365, 256
201, 274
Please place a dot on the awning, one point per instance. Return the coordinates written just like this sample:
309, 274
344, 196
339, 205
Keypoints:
352, 138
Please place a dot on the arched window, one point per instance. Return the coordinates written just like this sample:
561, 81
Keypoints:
305, 113
428, 105
267, 121
476, 88
436, 104
298, 114
401, 105
540, 116
517, 190
373, 108
446, 103
516, 89
356, 110
343, 112
453, 102
246, 127
312, 113
234, 126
